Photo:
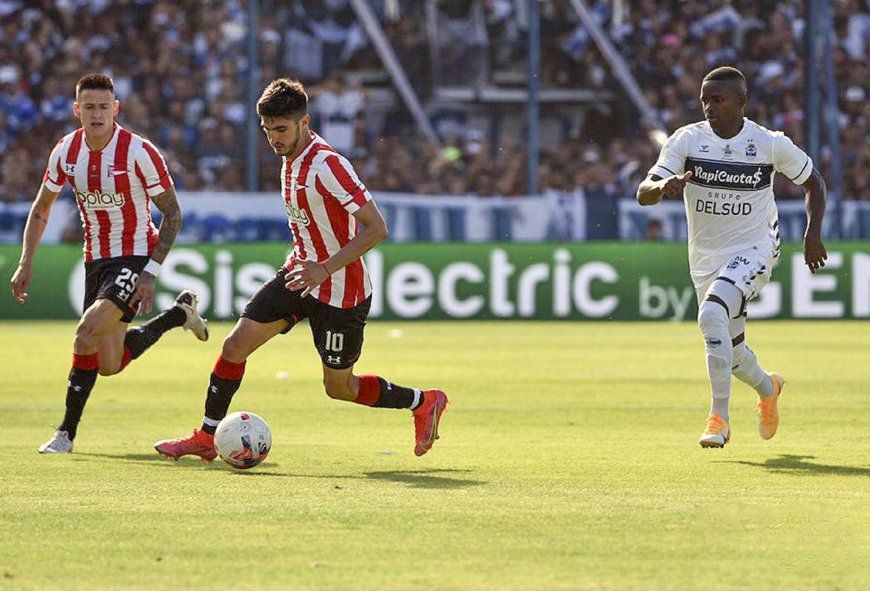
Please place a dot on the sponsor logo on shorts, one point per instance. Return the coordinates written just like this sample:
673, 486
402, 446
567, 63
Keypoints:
100, 200
334, 360
736, 262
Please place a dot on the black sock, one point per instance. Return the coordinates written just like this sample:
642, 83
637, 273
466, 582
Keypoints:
139, 339
81, 382
220, 394
394, 396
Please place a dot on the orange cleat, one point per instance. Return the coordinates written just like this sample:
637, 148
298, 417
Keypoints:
199, 443
716, 433
426, 419
768, 413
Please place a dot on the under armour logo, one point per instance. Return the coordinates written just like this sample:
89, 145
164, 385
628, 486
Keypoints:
213, 389
331, 359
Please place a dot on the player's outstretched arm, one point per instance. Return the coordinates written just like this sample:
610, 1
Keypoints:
37, 220
654, 188
167, 203
815, 191
311, 274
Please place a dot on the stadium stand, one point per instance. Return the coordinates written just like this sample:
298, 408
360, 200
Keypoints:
186, 90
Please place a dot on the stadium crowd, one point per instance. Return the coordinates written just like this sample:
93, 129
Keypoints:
180, 71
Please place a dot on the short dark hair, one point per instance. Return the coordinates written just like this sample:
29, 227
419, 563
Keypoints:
725, 74
283, 97
94, 82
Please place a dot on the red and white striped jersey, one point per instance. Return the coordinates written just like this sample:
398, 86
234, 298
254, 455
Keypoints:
113, 189
321, 191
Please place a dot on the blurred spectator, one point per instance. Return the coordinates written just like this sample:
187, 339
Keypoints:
334, 106
654, 230
462, 42
180, 70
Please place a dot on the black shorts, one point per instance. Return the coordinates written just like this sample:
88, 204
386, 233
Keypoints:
337, 332
113, 279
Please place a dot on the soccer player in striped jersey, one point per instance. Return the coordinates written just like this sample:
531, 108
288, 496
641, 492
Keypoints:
324, 279
116, 175
724, 167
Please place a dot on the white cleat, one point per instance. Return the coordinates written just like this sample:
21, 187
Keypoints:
58, 444
187, 301
717, 432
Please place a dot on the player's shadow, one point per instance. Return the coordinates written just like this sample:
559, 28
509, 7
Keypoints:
798, 464
431, 478
138, 458
156, 459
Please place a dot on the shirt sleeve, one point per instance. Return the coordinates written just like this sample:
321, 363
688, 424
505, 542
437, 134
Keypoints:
339, 178
791, 160
672, 158
152, 170
55, 178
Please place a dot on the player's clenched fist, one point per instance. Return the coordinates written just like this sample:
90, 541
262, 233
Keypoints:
20, 282
674, 185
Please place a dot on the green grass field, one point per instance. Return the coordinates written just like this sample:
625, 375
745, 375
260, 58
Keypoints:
568, 460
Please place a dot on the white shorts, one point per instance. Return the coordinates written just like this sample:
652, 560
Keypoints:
749, 271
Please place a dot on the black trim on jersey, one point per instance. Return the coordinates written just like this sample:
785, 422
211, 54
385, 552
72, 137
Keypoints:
802, 169
669, 170
702, 168
712, 161
742, 311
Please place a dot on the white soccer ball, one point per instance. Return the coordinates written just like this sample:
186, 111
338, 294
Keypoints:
243, 440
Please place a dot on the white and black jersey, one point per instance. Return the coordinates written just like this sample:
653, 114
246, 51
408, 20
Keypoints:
729, 199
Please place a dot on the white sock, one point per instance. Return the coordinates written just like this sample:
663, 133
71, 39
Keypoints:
719, 406
713, 320
418, 398
747, 370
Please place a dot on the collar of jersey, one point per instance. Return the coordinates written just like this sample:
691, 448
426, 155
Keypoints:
733, 138
115, 129
315, 139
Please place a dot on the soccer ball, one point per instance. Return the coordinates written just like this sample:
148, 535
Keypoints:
243, 440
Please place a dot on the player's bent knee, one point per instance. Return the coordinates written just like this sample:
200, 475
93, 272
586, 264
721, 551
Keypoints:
712, 315
86, 338
234, 349
109, 370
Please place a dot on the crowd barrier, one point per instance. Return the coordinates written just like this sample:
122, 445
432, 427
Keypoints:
261, 217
